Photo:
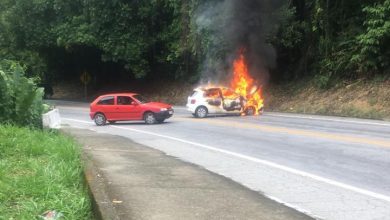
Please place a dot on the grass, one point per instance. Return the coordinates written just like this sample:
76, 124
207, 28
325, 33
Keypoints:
40, 171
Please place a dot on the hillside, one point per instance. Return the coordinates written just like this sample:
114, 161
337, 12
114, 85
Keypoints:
362, 99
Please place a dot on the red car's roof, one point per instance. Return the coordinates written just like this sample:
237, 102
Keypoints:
120, 94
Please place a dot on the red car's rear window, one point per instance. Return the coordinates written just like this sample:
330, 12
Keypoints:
108, 100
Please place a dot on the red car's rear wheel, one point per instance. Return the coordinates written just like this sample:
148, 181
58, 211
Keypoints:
100, 119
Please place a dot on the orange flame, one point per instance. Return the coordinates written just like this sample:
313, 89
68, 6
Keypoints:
245, 85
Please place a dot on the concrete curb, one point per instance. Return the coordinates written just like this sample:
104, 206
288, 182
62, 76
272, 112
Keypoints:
101, 204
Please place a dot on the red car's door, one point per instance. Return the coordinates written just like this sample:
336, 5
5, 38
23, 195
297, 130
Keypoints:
107, 106
127, 108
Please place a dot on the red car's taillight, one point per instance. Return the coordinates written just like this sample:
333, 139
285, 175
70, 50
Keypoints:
193, 101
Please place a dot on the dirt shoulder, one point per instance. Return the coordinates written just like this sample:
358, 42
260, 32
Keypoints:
138, 182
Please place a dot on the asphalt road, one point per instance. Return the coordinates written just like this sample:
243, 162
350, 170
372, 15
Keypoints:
327, 167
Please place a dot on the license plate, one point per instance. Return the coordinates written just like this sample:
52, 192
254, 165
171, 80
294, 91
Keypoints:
170, 112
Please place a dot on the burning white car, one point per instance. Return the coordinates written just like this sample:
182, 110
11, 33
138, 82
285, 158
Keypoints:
220, 100
244, 97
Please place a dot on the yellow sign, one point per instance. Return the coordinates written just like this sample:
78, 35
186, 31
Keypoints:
85, 78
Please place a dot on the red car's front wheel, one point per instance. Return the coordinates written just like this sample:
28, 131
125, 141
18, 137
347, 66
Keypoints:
149, 118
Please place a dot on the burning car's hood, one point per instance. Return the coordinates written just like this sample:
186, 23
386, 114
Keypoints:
157, 105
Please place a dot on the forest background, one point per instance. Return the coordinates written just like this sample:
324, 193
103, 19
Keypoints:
320, 56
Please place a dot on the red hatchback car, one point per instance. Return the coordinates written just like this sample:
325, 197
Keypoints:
126, 107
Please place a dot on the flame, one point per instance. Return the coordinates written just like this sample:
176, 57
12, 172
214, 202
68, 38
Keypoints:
243, 84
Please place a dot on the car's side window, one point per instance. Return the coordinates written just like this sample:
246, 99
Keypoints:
212, 93
228, 93
124, 100
108, 100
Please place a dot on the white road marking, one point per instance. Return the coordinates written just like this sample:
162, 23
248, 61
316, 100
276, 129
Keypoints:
260, 161
326, 119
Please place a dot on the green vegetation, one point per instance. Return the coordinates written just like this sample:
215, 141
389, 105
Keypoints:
68, 37
165, 39
20, 100
40, 171
336, 39
327, 42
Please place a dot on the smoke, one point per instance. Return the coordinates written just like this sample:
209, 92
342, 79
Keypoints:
232, 26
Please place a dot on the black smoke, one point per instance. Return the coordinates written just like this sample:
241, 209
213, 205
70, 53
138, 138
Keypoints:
239, 25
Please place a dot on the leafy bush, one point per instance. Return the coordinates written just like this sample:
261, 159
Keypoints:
20, 100
323, 81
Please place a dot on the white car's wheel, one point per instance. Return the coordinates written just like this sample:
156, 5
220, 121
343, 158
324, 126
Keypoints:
201, 112
250, 111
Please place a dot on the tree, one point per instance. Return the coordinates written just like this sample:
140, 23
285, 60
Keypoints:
141, 36
374, 50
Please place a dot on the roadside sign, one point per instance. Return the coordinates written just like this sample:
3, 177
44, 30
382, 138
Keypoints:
85, 78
